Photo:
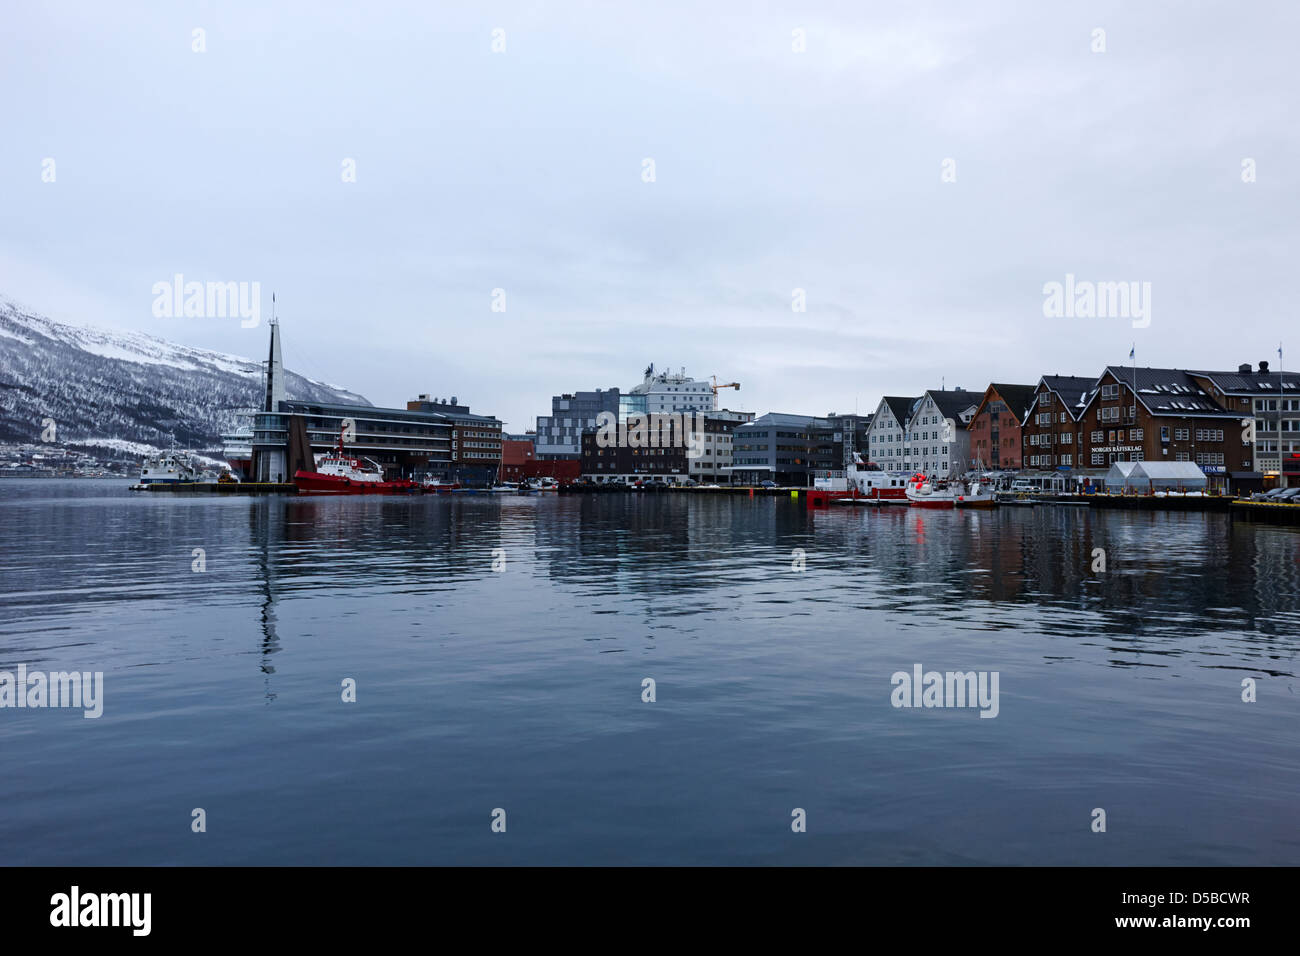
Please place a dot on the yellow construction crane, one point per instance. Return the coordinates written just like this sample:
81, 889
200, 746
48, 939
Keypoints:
716, 386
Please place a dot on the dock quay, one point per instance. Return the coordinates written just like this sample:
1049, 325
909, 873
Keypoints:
1160, 503
221, 487
1265, 511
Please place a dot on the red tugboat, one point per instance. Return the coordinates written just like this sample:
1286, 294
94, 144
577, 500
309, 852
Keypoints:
341, 474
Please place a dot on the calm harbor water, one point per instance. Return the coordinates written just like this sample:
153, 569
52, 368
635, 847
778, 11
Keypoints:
522, 689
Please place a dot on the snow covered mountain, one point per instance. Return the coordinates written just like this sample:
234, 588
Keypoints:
108, 389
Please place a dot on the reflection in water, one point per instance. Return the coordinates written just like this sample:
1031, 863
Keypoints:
522, 688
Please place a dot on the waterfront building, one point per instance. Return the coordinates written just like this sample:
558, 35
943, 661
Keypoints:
1271, 399
777, 447
559, 435
887, 434
425, 439
995, 427
666, 460
699, 450
406, 444
716, 445
852, 434
517, 452
938, 438
1161, 414
1049, 431
475, 440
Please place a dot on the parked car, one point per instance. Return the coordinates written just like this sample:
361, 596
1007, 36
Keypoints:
1270, 495
1289, 494
767, 483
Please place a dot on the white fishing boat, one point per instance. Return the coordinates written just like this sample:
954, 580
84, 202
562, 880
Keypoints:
954, 493
170, 467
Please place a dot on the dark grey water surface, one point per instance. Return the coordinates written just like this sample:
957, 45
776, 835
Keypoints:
522, 689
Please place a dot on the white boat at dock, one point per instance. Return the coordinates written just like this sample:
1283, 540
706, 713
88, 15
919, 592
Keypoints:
953, 493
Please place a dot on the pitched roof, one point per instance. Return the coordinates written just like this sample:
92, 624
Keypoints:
901, 407
1075, 391
1017, 397
953, 403
1254, 383
1169, 391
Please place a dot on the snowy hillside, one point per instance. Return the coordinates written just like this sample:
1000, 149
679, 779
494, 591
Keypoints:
112, 387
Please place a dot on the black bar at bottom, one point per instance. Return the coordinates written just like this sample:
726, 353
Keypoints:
334, 905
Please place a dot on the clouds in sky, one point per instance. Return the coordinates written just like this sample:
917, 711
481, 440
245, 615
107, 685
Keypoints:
774, 170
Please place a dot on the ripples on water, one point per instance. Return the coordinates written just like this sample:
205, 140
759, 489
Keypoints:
522, 689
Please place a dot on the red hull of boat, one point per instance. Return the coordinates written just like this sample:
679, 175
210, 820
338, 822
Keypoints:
314, 483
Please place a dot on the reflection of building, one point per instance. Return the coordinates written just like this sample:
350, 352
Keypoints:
995, 428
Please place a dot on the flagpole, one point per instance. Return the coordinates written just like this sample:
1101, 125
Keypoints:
1133, 355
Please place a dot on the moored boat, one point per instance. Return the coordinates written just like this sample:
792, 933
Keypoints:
338, 473
237, 447
862, 481
437, 486
955, 493
167, 468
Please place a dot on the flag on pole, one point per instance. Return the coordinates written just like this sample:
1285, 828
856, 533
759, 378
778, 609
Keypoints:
1132, 352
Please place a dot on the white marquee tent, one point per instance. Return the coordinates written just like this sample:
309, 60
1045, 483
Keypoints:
1141, 477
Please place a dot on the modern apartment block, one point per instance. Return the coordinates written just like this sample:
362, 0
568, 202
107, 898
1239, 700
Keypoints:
776, 446
559, 435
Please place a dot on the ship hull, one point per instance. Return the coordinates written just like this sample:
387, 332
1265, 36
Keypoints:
241, 468
314, 483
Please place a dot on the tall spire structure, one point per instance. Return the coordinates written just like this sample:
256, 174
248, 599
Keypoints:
274, 367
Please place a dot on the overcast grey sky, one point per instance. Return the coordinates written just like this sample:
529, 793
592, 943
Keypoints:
774, 170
